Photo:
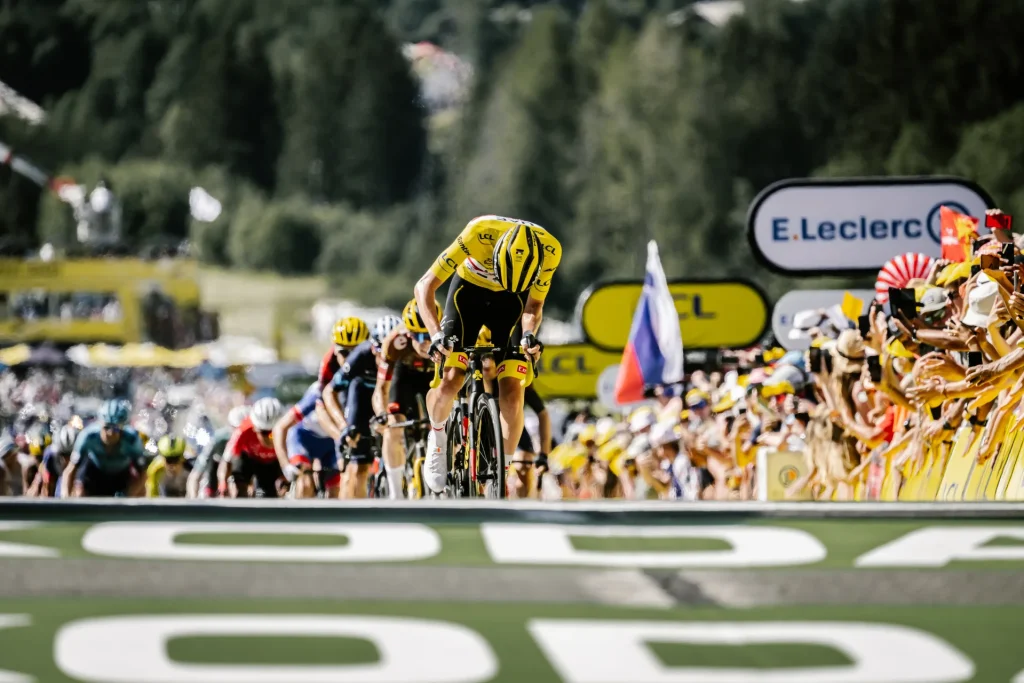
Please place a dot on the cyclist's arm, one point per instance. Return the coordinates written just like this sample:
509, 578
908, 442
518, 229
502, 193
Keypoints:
425, 293
280, 434
326, 421
380, 396
533, 314
67, 479
333, 405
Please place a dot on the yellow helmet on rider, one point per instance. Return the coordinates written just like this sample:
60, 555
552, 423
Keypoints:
518, 258
413, 320
350, 331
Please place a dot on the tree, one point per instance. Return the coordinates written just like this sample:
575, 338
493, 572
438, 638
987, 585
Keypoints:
355, 127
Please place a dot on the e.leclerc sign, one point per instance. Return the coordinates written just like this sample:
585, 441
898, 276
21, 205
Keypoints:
855, 224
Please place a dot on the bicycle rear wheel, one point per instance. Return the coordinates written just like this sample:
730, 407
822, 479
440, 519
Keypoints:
490, 451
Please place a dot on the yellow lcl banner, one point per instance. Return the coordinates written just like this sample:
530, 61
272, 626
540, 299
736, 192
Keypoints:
572, 370
711, 314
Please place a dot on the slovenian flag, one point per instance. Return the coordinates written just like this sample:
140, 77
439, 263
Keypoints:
654, 352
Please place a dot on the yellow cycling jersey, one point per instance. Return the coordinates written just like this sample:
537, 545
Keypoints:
471, 255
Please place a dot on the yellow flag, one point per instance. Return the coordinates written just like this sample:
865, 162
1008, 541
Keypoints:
852, 307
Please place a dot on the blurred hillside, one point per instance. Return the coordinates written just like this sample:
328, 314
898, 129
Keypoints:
606, 121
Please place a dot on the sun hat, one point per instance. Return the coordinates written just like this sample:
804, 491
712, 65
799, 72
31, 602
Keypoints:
979, 301
933, 300
848, 353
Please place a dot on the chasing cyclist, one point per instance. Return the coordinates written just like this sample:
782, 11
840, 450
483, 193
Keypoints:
55, 460
250, 453
300, 440
202, 481
349, 402
166, 476
404, 372
501, 270
107, 457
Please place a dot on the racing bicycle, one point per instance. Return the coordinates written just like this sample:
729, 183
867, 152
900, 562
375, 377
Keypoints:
476, 458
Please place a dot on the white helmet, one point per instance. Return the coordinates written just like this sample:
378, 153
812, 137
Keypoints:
382, 328
66, 438
237, 415
265, 413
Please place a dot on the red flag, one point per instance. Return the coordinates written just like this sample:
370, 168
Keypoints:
958, 231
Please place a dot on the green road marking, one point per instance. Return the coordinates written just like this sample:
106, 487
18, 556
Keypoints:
774, 656
987, 635
318, 540
268, 650
647, 545
1004, 542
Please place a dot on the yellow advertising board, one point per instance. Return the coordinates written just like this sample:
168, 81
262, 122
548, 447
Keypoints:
777, 470
961, 463
572, 370
711, 314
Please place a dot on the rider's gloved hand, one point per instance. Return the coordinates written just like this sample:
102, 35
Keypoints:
531, 345
291, 472
437, 343
541, 461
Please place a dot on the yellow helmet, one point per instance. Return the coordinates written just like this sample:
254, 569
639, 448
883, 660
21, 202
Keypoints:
38, 439
171, 446
484, 338
411, 317
350, 331
518, 258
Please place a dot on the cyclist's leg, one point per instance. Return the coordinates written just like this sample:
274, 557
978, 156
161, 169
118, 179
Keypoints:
360, 396
393, 440
462, 320
298, 454
521, 468
267, 474
241, 476
513, 367
322, 450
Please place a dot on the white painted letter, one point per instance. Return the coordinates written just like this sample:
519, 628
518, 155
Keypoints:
584, 651
366, 542
134, 650
20, 549
937, 546
752, 546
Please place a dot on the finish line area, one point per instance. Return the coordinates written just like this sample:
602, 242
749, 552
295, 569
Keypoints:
572, 592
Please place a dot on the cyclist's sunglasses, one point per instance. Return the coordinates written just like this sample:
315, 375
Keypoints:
343, 350
111, 427
266, 434
421, 336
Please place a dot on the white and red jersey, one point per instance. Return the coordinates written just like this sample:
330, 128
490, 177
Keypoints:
244, 441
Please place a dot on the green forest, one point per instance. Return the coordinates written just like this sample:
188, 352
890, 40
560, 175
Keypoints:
606, 121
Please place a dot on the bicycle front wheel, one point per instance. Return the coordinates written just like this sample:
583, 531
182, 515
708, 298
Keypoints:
490, 451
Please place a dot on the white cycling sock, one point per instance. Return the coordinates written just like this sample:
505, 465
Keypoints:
394, 475
438, 426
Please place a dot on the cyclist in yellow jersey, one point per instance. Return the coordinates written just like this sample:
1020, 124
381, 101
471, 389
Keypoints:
501, 270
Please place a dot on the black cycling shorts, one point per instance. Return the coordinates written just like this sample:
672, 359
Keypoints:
407, 385
265, 472
470, 307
